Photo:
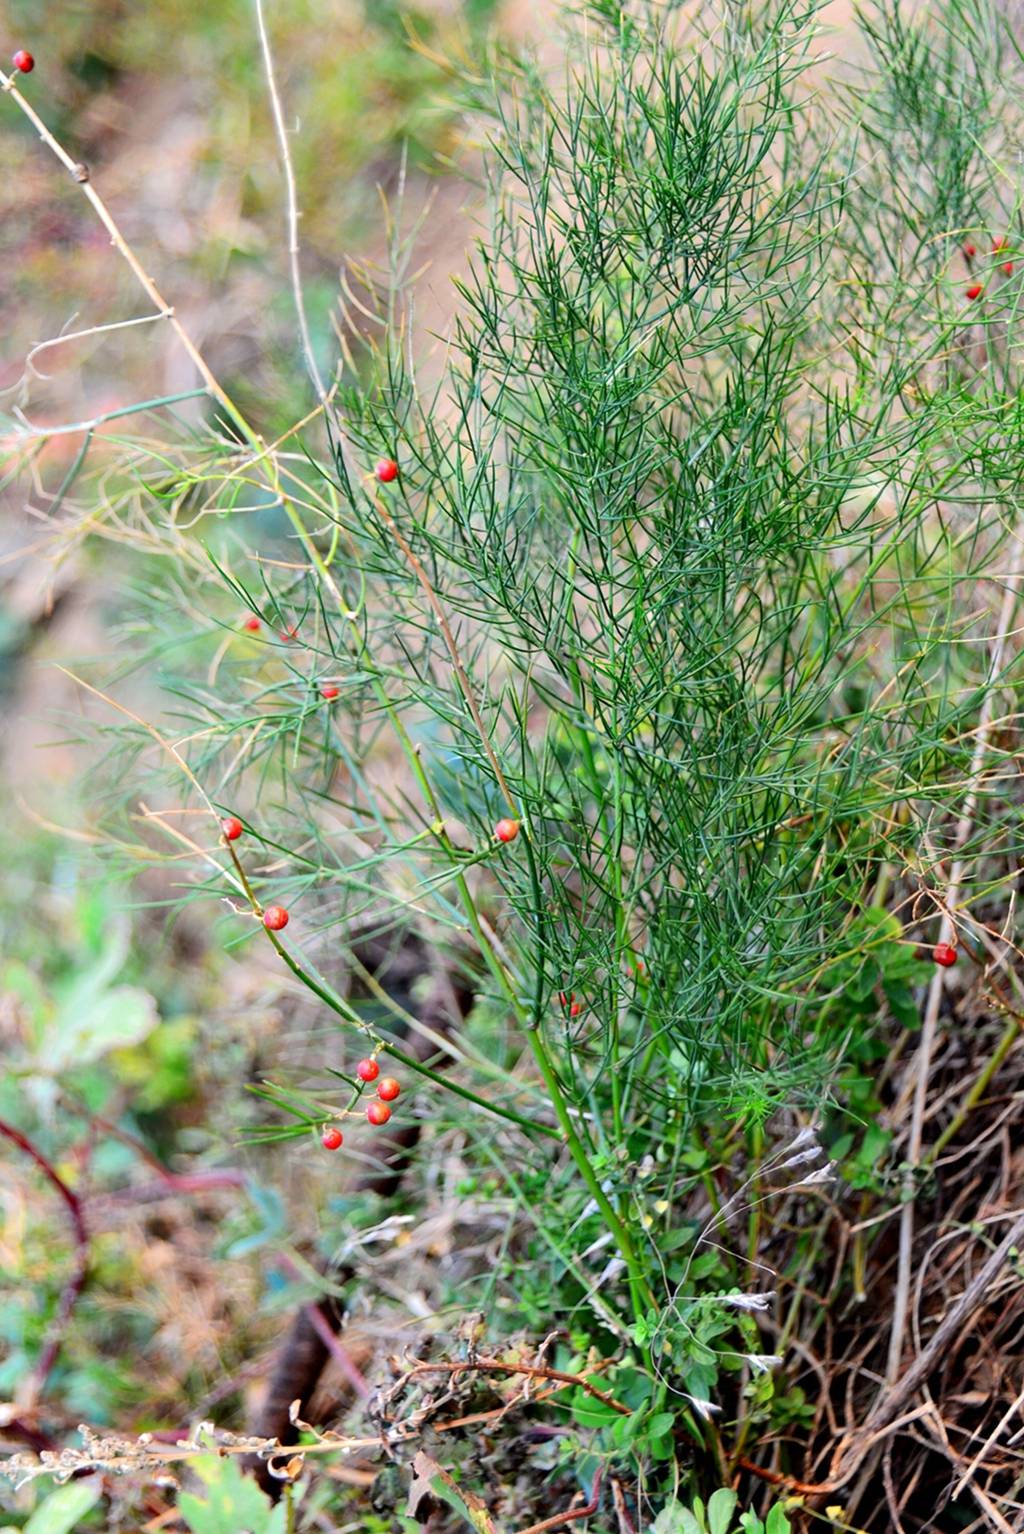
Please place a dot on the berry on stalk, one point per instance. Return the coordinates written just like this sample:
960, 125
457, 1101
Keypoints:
389, 1089
974, 291
275, 917
566, 998
252, 625
576, 1009
232, 828
507, 830
944, 954
23, 61
331, 1139
970, 250
367, 1070
386, 470
329, 691
378, 1113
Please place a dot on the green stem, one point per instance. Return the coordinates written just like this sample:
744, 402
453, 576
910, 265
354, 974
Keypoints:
978, 1090
640, 1290
341, 1007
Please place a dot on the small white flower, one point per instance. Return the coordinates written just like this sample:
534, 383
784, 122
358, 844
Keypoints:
763, 1363
815, 1179
749, 1301
801, 1158
704, 1409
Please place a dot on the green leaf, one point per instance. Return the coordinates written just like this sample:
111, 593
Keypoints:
89, 1025
721, 1507
777, 1522
63, 1510
234, 1502
674, 1518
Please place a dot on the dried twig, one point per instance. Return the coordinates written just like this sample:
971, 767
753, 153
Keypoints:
496, 1366
573, 1514
291, 203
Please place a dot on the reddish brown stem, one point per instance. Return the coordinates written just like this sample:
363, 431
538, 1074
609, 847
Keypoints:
495, 1366
573, 1513
76, 1283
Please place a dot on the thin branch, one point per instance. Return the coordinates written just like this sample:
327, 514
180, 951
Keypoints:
534, 1371
572, 1515
291, 203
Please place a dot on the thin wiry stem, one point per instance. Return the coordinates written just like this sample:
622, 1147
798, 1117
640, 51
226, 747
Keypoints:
291, 205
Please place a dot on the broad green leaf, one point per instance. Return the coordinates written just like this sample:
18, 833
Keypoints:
674, 1518
89, 1026
777, 1522
234, 1503
63, 1510
721, 1507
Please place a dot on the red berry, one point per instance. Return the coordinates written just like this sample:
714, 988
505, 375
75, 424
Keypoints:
367, 1070
331, 1139
944, 954
252, 624
290, 633
565, 998
388, 1089
378, 1113
576, 1009
329, 691
1008, 268
232, 828
507, 830
275, 917
998, 245
970, 250
974, 291
24, 61
386, 470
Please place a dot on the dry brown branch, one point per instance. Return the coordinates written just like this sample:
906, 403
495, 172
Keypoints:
496, 1366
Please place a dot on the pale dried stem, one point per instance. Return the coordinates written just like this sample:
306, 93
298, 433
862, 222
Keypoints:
291, 204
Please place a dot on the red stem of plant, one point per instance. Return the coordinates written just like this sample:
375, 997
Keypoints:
76, 1283
573, 1514
337, 1350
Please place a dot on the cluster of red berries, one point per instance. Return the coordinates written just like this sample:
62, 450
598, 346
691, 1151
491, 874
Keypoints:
970, 250
568, 1003
23, 61
377, 1112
